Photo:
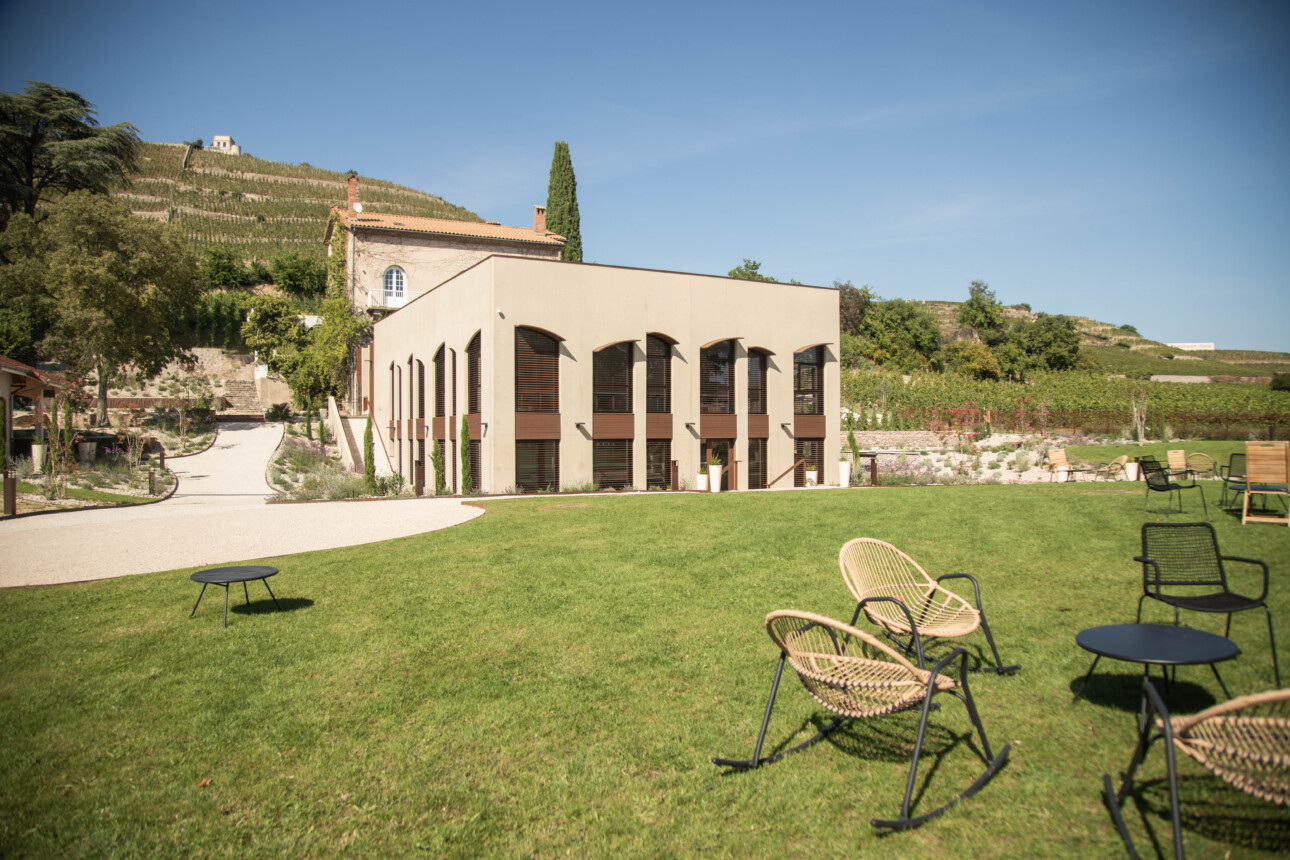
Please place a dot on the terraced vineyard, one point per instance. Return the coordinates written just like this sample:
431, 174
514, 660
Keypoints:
260, 206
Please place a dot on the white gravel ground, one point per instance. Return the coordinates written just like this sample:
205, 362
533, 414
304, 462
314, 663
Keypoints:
217, 516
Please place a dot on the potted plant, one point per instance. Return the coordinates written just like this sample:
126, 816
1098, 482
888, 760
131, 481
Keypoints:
714, 472
844, 471
701, 482
812, 477
38, 445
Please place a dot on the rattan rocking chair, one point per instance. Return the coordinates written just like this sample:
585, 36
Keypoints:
1245, 742
856, 676
874, 568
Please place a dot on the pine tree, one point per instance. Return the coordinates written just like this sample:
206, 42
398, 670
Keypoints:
562, 203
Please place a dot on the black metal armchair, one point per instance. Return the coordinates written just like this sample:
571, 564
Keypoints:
1233, 477
1161, 480
1182, 567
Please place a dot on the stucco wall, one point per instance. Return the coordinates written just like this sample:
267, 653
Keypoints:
591, 307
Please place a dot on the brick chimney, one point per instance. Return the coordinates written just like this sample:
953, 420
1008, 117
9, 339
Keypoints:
539, 219
353, 192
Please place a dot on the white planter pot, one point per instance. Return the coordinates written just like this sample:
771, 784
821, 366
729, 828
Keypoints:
38, 450
701, 482
812, 478
85, 452
1131, 471
844, 473
714, 478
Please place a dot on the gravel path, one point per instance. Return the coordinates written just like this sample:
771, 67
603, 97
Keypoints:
217, 516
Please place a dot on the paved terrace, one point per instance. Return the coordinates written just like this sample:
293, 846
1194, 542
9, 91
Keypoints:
218, 515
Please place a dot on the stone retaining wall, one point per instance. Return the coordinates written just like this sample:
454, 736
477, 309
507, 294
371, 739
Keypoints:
870, 439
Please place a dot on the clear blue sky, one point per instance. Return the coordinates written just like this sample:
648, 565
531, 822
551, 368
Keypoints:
1127, 161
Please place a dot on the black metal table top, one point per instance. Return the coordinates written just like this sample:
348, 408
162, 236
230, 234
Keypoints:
237, 573
1157, 644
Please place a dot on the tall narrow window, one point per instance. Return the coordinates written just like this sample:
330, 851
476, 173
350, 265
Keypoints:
452, 407
440, 395
756, 464
756, 382
394, 284
808, 381
658, 374
611, 463
537, 371
472, 376
716, 388
475, 467
658, 464
537, 465
611, 379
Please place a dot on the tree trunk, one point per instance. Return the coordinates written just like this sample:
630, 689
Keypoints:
100, 417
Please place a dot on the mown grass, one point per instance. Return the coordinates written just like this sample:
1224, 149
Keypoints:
552, 678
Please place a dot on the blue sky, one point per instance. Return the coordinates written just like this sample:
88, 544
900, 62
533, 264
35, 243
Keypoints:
1127, 161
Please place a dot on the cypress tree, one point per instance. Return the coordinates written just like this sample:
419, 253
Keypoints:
369, 463
562, 203
467, 483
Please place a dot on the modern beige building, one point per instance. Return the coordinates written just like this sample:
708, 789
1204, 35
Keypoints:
573, 374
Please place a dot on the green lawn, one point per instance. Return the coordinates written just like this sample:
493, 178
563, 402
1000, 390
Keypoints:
552, 678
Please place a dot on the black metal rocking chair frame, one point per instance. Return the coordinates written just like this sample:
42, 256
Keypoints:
905, 821
1225, 601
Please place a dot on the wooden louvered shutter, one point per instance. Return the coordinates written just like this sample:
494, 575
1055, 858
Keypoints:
611, 463
658, 375
440, 395
421, 389
808, 381
716, 394
611, 379
756, 382
756, 464
537, 371
472, 376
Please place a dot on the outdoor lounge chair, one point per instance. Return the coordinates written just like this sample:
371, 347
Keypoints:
1180, 559
1244, 742
1160, 480
874, 568
1201, 465
855, 676
1058, 464
1112, 470
1267, 473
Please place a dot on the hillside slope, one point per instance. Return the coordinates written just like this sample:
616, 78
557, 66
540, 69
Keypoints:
260, 206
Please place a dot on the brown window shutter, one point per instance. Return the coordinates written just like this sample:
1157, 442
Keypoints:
537, 465
756, 464
716, 388
812, 450
658, 463
756, 382
658, 375
808, 381
473, 383
440, 396
611, 463
421, 389
611, 379
537, 371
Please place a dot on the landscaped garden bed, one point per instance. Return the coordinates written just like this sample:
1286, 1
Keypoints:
552, 679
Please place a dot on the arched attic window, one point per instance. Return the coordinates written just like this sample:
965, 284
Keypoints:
611, 378
808, 381
537, 370
716, 378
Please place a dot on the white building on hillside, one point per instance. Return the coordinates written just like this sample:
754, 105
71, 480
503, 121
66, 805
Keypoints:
224, 143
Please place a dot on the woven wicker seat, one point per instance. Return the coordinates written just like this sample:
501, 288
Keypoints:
874, 569
856, 676
1182, 568
1244, 742
1112, 470
1201, 465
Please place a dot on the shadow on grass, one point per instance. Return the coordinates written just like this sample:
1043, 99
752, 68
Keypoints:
1122, 691
1210, 808
285, 604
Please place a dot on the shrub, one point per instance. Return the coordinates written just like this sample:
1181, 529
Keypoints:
1281, 382
278, 412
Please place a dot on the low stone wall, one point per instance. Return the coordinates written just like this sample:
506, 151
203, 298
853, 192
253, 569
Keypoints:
883, 439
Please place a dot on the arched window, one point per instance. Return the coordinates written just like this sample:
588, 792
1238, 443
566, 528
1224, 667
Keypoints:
611, 378
716, 383
440, 396
756, 382
395, 281
473, 384
537, 371
808, 381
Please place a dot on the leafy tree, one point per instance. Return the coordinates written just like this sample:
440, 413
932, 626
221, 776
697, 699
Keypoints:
983, 312
335, 265
853, 303
321, 369
436, 460
299, 275
901, 333
26, 307
749, 270
973, 359
851, 350
221, 266
369, 460
1281, 382
1051, 342
121, 285
562, 203
274, 331
51, 145
467, 483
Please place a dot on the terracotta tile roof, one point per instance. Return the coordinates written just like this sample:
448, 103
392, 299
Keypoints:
445, 227
30, 379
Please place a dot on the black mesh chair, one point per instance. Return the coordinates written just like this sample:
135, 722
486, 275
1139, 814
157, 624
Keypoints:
1182, 568
1161, 480
1233, 477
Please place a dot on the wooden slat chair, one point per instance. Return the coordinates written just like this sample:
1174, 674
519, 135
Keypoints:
874, 569
1245, 742
1183, 568
856, 676
1160, 480
1267, 473
1177, 460
1059, 464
